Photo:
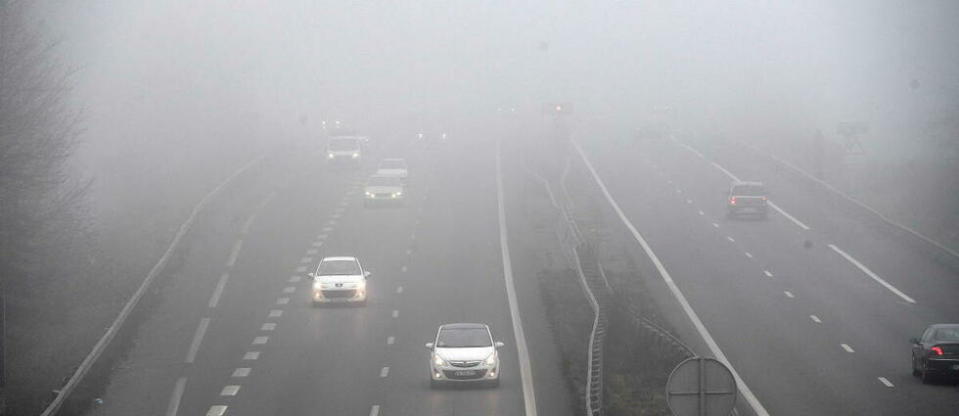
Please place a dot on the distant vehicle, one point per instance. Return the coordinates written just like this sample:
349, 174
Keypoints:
464, 353
383, 190
393, 167
936, 352
746, 198
339, 279
345, 149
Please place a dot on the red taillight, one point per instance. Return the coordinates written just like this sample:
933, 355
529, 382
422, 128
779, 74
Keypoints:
764, 199
936, 350
732, 201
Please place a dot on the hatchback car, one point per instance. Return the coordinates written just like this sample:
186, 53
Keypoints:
464, 353
936, 352
746, 198
339, 279
383, 190
393, 167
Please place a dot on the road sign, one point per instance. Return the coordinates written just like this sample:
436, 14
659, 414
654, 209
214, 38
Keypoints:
701, 387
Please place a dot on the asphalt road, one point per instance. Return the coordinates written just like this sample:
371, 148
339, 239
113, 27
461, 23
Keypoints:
810, 331
233, 329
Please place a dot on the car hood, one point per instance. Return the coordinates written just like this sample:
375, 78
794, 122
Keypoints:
391, 172
464, 354
383, 189
340, 279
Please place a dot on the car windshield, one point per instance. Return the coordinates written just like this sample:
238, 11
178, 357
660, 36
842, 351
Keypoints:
463, 338
339, 268
344, 144
384, 181
392, 164
946, 334
749, 190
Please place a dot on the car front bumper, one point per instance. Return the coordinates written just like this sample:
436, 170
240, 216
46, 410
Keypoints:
339, 296
451, 374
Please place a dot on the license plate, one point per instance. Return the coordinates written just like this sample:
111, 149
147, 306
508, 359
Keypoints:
465, 373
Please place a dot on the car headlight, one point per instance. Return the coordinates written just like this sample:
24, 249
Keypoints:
317, 286
438, 361
356, 155
491, 360
329, 155
368, 193
361, 285
397, 194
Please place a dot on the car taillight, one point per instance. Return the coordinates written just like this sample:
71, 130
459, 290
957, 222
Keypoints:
936, 350
764, 199
732, 201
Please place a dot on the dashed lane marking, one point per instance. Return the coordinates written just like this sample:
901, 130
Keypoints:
748, 254
235, 253
294, 279
174, 405
242, 372
301, 269
326, 230
197, 339
399, 289
319, 243
403, 269
248, 224
874, 276
390, 340
276, 313
312, 251
220, 284
847, 348
269, 326
789, 294
385, 371
375, 410
282, 301
217, 410
251, 355
715, 225
230, 390
306, 259
815, 319
731, 240
885, 382
323, 236
767, 273
701, 212
260, 340
396, 313
289, 289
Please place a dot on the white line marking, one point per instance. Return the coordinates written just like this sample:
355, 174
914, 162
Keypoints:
294, 279
396, 313
872, 275
786, 214
403, 269
247, 224
230, 390
748, 254
689, 201
276, 313
703, 332
251, 355
815, 319
197, 339
282, 301
731, 240
525, 371
331, 223
847, 348
390, 340
306, 259
409, 251
289, 289
269, 326
318, 243
242, 372
218, 410
326, 230
260, 340
885, 382
235, 254
375, 410
215, 298
679, 191
312, 251
728, 173
767, 273
301, 269
174, 405
715, 225
336, 215
324, 236
701, 212
789, 294
385, 371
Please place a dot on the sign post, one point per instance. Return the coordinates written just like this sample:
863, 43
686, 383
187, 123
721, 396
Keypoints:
701, 387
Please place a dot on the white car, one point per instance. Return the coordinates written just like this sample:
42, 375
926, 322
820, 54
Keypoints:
393, 167
345, 149
464, 353
383, 190
339, 279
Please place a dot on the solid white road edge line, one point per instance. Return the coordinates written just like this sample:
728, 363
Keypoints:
747, 394
197, 339
872, 275
174, 405
215, 298
790, 217
235, 254
525, 370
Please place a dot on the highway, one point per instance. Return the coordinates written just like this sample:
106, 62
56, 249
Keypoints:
233, 331
822, 330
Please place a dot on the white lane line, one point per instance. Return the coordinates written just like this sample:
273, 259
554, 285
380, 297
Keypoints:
390, 340
679, 191
701, 212
375, 410
885, 382
747, 394
731, 240
326, 230
872, 275
331, 223
217, 410
247, 224
321, 237
396, 313
251, 355
413, 236
276, 313
318, 243
269, 326
403, 269
789, 294
289, 289
220, 284
174, 405
399, 289
385, 371
815, 319
260, 340
689, 201
294, 279
197, 339
230, 390
301, 269
715, 225
282, 301
242, 372
312, 251
336, 215
306, 259
748, 254
235, 254
525, 370
728, 173
786, 214
767, 273
847, 348
409, 251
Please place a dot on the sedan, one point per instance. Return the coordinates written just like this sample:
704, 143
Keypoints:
936, 352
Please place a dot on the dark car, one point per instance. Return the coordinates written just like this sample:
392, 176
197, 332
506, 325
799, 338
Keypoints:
746, 198
936, 353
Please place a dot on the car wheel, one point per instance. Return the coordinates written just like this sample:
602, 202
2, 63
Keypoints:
925, 376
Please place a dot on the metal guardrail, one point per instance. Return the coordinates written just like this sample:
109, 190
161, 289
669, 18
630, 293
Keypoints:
114, 328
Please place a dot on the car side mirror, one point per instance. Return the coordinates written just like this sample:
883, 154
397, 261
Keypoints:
429, 346
367, 274
311, 276
914, 340
499, 344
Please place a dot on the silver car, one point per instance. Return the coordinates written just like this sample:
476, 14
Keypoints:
464, 353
